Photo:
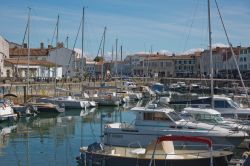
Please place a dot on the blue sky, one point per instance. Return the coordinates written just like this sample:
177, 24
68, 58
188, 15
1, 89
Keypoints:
166, 25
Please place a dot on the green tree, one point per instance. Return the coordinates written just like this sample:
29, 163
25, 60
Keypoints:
99, 59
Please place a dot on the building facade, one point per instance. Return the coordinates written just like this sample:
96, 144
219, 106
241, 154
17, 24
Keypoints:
72, 63
4, 54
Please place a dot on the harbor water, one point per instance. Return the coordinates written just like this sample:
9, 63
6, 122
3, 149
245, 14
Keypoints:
55, 139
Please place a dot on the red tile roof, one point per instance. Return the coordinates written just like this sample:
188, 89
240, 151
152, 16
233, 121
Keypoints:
24, 52
32, 62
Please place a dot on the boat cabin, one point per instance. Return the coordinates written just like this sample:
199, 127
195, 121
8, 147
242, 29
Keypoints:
202, 115
154, 116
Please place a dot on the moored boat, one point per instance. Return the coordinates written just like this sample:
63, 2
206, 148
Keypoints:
160, 152
46, 107
154, 121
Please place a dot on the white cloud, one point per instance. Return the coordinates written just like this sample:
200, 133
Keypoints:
191, 51
85, 54
166, 52
219, 45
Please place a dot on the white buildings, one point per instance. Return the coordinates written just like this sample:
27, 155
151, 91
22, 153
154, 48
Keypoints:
71, 61
244, 59
90, 68
4, 53
35, 64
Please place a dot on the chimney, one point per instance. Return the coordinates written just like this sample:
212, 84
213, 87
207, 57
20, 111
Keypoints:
59, 45
41, 45
218, 49
25, 45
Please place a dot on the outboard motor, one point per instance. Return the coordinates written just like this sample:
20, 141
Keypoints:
95, 147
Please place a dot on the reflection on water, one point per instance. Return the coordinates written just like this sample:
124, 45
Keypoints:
54, 139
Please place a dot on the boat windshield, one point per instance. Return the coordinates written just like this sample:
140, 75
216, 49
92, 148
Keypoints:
208, 118
174, 116
218, 118
233, 104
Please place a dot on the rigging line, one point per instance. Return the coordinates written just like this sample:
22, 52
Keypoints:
24, 37
233, 54
66, 72
191, 25
53, 35
99, 48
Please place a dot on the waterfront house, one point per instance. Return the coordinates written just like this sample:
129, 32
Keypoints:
73, 65
39, 66
4, 53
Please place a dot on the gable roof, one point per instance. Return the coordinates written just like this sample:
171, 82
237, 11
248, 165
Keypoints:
32, 62
24, 52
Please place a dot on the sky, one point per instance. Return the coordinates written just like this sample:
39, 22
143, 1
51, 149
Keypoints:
171, 26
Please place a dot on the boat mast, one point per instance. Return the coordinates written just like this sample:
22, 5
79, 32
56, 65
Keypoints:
121, 62
211, 56
55, 71
83, 10
103, 45
28, 43
116, 54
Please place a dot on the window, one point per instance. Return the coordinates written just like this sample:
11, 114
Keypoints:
219, 104
245, 67
174, 116
156, 116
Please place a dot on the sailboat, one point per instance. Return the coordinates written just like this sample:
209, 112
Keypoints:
104, 97
68, 101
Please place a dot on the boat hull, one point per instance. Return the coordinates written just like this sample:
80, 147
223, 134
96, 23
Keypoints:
95, 159
124, 137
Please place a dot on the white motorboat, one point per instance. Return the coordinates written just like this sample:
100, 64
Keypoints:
154, 121
66, 101
106, 99
213, 117
224, 105
6, 112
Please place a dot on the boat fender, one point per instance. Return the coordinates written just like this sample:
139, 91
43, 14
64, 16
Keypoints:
109, 96
246, 154
246, 157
